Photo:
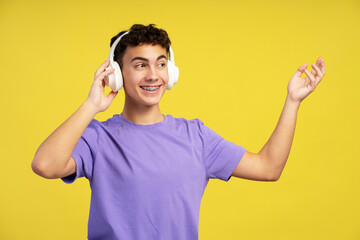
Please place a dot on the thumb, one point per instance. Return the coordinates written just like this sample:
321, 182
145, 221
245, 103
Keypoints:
111, 96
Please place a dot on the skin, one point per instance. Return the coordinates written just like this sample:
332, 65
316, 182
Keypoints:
268, 164
53, 157
144, 65
151, 69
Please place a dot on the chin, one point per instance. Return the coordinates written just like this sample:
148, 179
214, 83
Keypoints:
151, 102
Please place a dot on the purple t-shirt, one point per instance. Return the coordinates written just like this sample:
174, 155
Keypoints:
147, 181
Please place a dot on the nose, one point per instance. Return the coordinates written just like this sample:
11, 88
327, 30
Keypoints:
151, 74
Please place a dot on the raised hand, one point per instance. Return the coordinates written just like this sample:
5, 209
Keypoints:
299, 88
96, 95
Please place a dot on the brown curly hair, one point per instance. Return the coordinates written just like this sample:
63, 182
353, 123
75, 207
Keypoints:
140, 34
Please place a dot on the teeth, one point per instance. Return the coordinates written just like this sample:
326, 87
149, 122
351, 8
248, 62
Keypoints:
150, 88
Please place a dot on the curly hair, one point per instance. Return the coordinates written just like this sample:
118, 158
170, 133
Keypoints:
140, 34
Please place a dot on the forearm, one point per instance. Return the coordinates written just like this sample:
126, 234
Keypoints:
276, 150
54, 153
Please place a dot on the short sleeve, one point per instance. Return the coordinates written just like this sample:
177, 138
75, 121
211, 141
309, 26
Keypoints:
84, 153
221, 157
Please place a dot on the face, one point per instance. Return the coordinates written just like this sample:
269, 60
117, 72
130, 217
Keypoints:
145, 74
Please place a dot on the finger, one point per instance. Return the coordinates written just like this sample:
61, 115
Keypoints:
300, 70
110, 97
102, 67
107, 72
313, 72
322, 65
318, 61
102, 75
318, 71
311, 77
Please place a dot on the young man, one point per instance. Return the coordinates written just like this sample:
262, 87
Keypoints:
148, 171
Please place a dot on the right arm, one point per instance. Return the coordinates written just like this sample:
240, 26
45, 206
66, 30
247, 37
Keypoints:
53, 157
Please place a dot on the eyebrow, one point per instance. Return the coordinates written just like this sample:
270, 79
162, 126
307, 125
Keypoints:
145, 59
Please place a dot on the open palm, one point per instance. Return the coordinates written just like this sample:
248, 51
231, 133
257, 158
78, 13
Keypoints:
299, 88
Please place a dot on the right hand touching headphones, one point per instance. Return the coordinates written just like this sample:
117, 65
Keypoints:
97, 92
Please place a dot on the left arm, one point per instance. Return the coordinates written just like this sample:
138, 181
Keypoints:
268, 164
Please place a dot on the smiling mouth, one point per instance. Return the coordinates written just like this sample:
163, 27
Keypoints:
151, 88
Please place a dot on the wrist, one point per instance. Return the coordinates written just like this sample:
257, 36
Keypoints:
291, 102
90, 108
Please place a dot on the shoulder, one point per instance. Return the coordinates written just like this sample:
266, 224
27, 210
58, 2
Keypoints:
195, 122
94, 128
98, 125
91, 131
98, 130
186, 126
197, 126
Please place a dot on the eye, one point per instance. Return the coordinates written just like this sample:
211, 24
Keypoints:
140, 65
162, 64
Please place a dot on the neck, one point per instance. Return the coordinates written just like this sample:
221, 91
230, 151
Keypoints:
142, 114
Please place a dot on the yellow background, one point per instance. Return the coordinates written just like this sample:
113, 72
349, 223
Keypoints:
235, 60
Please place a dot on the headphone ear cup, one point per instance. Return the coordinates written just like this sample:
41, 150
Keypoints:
173, 74
115, 79
118, 76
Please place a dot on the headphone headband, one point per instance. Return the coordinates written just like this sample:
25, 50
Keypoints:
113, 46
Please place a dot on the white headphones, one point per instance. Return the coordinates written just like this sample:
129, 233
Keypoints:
115, 80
